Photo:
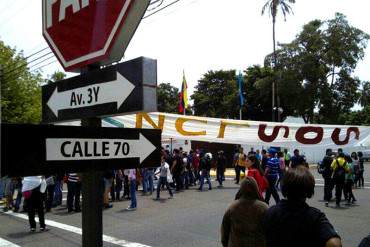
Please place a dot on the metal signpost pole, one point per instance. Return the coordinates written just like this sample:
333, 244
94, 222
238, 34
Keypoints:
92, 196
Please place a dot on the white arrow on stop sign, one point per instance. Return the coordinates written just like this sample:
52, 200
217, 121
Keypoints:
95, 94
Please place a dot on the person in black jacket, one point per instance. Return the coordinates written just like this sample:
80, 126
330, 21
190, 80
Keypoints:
177, 169
221, 166
327, 173
307, 226
205, 167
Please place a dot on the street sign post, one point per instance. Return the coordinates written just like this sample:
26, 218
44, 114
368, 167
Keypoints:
46, 149
124, 88
84, 35
83, 32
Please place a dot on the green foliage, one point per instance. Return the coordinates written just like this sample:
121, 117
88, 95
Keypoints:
272, 7
365, 94
318, 64
313, 75
56, 76
20, 89
361, 117
168, 98
216, 95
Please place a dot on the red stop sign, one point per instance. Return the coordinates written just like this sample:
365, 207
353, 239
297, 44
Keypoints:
82, 32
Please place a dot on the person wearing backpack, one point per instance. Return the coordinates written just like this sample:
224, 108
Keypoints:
339, 167
326, 172
350, 178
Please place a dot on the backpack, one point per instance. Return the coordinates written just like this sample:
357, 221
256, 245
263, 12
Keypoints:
340, 172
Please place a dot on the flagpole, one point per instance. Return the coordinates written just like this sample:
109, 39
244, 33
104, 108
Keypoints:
241, 98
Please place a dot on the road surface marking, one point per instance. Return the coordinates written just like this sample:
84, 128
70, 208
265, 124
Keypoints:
5, 243
77, 230
322, 185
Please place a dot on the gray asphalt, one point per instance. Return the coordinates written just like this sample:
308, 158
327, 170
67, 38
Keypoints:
191, 219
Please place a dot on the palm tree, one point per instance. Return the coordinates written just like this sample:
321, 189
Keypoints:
272, 6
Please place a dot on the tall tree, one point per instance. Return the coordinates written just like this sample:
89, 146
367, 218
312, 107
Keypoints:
272, 6
323, 62
361, 117
216, 95
168, 98
364, 99
56, 76
20, 89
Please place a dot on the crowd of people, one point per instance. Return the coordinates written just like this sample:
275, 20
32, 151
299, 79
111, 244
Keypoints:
344, 172
248, 220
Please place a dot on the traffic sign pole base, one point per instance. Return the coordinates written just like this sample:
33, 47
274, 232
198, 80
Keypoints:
92, 203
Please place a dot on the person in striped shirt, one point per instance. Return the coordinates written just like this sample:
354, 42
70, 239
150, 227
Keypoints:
74, 191
132, 180
272, 174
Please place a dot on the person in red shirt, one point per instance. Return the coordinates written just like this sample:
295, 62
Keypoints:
255, 171
196, 160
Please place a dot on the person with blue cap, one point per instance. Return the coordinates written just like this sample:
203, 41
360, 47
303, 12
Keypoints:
272, 174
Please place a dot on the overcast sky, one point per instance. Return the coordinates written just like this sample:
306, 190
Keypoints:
195, 35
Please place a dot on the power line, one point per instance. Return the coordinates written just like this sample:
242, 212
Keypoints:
52, 56
161, 2
26, 64
37, 52
43, 49
168, 5
44, 65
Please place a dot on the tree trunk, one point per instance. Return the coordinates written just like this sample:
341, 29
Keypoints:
274, 61
332, 76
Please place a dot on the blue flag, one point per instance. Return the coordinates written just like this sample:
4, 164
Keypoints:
240, 83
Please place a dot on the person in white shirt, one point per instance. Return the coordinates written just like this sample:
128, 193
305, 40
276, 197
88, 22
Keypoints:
164, 177
132, 180
33, 189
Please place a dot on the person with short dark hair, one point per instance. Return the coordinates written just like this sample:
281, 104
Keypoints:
177, 169
297, 159
307, 226
326, 174
361, 170
264, 159
272, 174
239, 164
287, 157
350, 178
205, 167
255, 171
339, 167
220, 166
365, 242
356, 167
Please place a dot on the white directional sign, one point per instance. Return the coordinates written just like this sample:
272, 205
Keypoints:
115, 91
50, 149
58, 149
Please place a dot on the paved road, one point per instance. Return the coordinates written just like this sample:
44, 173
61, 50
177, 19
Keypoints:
191, 219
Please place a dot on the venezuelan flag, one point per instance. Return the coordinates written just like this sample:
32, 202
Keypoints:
183, 104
